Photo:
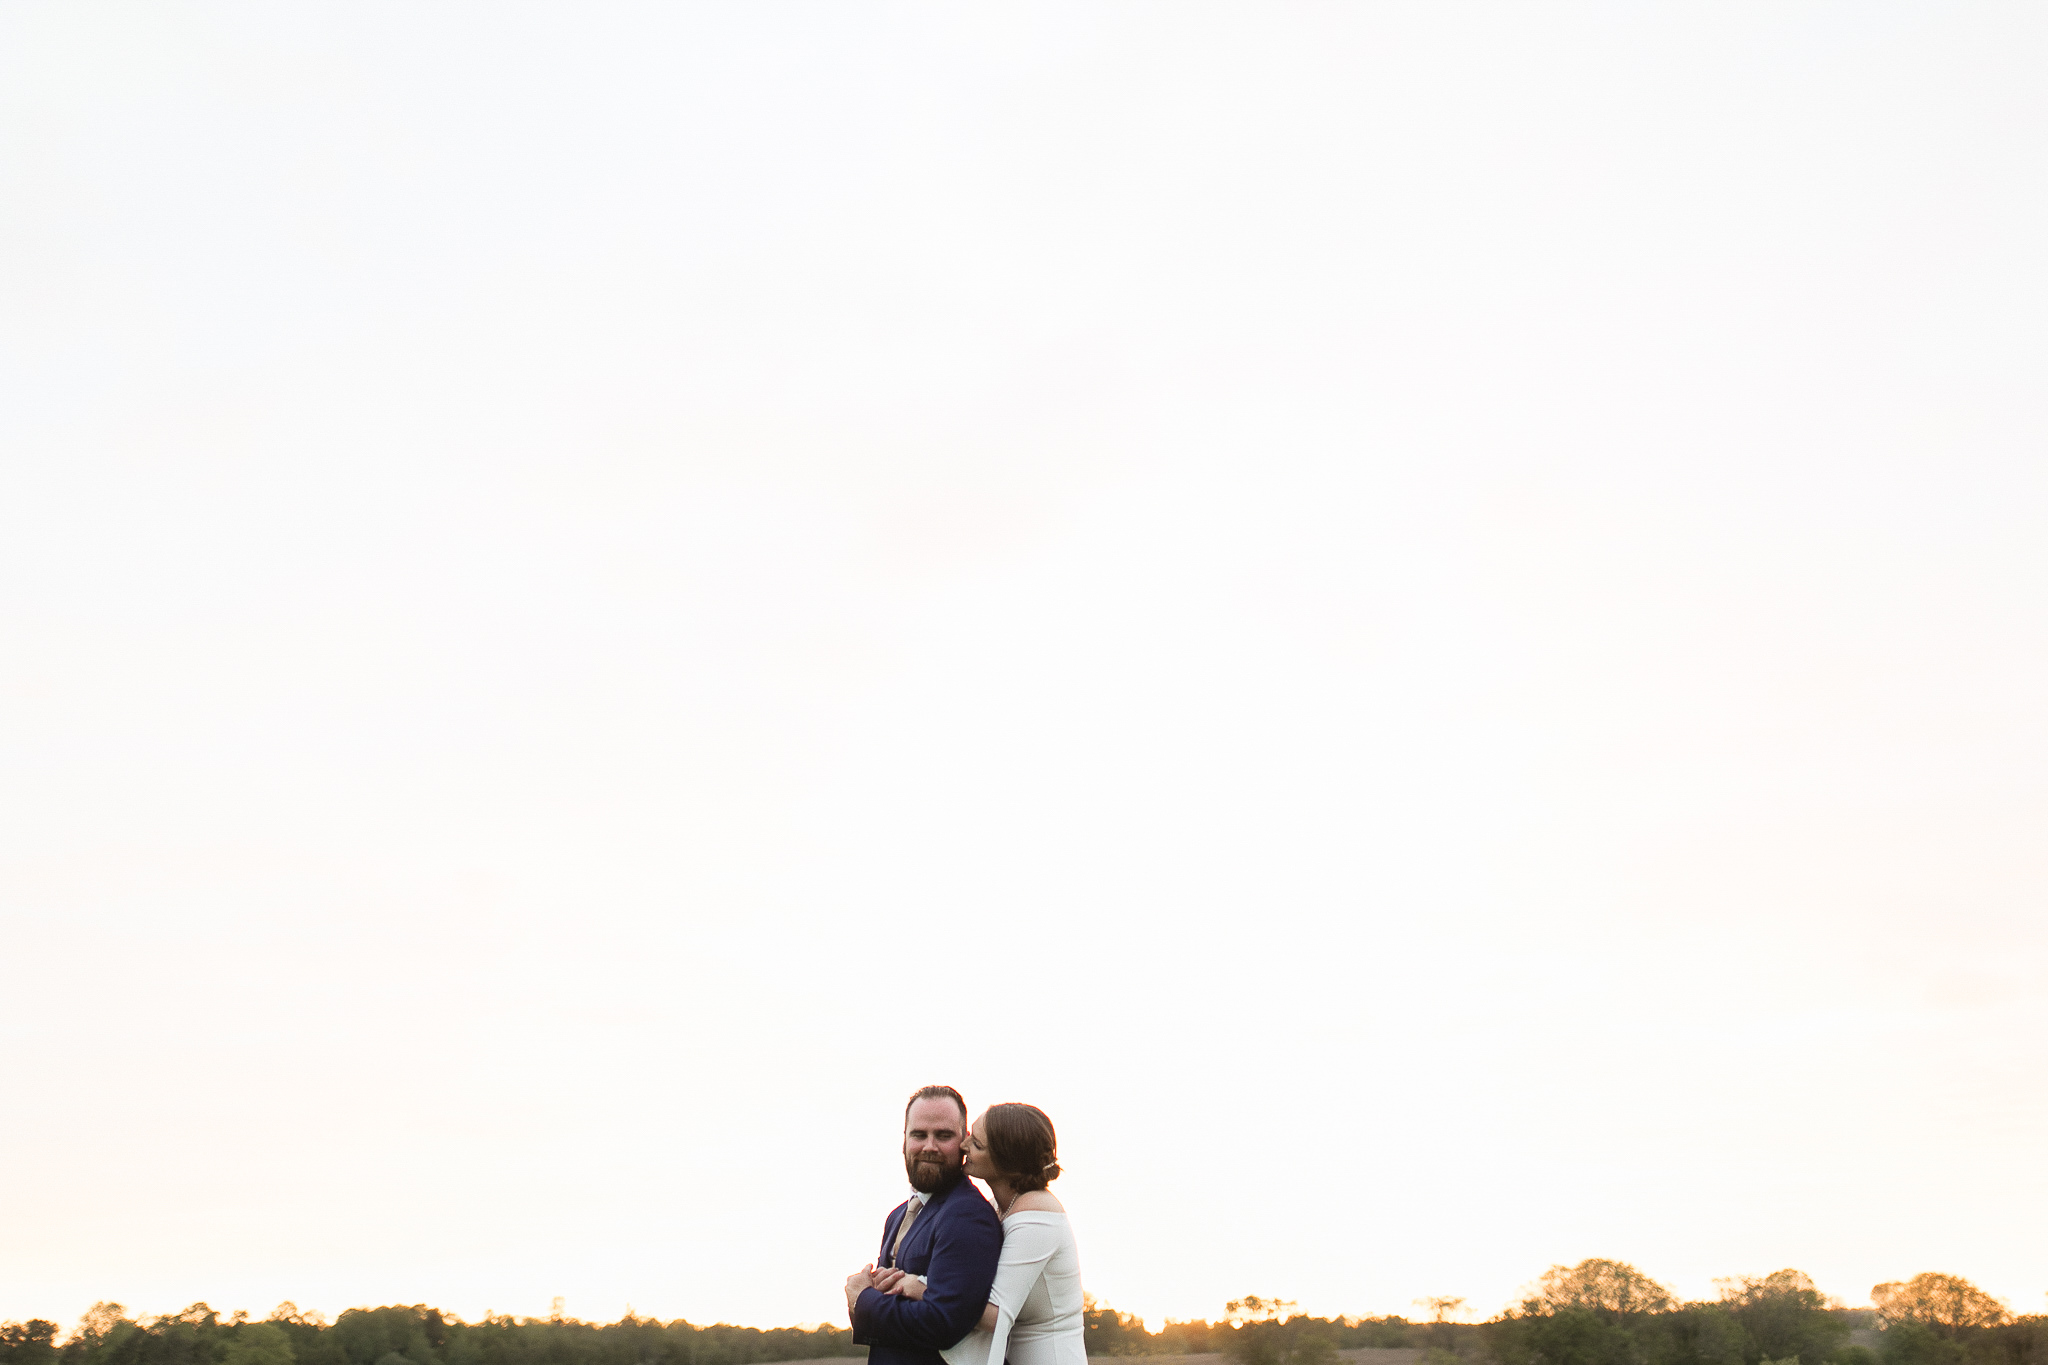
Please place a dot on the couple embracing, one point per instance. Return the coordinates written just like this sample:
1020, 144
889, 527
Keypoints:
959, 1282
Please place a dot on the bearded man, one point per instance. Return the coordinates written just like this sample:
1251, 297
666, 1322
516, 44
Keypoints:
945, 1232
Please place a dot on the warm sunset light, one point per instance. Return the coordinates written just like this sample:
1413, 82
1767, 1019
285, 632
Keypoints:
1425, 624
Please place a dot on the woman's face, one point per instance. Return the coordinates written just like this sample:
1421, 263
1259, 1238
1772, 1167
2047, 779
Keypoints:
975, 1149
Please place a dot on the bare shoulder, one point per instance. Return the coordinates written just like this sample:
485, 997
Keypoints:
1037, 1201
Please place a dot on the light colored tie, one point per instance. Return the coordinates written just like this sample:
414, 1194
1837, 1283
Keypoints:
903, 1228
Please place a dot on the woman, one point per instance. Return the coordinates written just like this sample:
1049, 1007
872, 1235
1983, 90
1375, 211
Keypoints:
1034, 1311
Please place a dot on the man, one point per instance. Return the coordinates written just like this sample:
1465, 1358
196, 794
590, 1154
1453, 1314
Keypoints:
945, 1232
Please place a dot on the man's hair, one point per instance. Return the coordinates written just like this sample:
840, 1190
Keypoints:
936, 1092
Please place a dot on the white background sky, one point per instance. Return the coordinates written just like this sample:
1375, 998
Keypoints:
1427, 623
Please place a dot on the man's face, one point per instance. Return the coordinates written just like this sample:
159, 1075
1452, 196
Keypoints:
932, 1132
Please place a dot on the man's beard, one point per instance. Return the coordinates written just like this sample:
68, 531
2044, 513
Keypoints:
928, 1175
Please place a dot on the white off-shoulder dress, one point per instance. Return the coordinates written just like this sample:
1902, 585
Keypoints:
1037, 1296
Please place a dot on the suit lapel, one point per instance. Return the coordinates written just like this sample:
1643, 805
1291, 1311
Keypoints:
921, 1230
920, 1237
888, 1258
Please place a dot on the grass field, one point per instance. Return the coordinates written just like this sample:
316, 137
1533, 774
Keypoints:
1366, 1355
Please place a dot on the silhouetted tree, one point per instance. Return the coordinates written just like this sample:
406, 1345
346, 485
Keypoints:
1106, 1332
1270, 1332
1613, 1290
1583, 1315
28, 1343
1783, 1315
1949, 1304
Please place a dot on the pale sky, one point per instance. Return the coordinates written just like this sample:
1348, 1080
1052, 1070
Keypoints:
1428, 623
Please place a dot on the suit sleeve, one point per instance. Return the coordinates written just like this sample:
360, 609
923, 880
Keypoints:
881, 1258
963, 1266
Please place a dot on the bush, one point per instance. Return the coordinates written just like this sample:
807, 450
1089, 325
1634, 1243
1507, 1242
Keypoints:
1918, 1343
28, 1343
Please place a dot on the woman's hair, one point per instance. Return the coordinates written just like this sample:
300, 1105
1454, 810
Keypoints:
1022, 1145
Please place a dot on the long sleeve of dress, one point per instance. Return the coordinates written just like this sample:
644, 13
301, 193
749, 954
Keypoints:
1028, 1245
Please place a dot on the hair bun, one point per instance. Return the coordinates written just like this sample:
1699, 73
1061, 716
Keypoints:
1022, 1144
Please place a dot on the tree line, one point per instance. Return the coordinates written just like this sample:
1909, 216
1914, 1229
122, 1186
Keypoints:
401, 1335
1602, 1312
1595, 1313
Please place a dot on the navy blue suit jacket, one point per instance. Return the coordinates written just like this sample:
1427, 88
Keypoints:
954, 1244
